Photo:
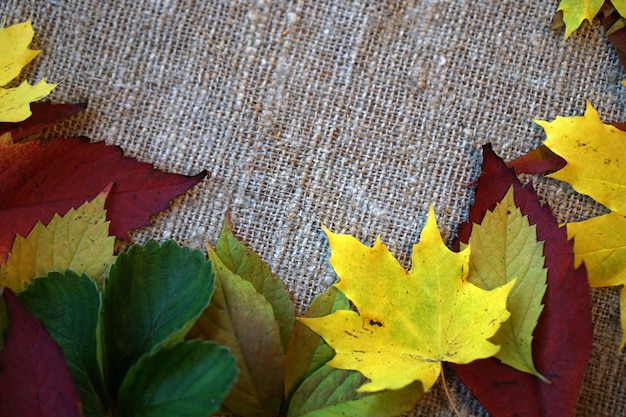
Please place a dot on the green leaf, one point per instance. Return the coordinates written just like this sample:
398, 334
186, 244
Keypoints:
68, 305
243, 262
242, 319
78, 241
331, 392
307, 351
152, 296
505, 247
186, 379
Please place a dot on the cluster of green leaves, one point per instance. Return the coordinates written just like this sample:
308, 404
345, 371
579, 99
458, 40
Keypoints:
134, 332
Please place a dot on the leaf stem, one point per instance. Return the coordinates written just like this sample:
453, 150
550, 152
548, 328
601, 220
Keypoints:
450, 400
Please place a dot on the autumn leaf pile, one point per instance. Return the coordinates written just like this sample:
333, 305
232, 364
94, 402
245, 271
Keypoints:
160, 329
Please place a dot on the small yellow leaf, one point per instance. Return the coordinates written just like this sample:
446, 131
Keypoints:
14, 51
15, 102
14, 56
408, 322
78, 241
576, 11
601, 243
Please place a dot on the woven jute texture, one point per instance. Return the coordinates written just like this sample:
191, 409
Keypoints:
353, 114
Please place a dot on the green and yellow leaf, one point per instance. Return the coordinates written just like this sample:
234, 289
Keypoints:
78, 241
504, 248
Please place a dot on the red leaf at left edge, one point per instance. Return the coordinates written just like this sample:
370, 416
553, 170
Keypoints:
34, 378
562, 338
40, 179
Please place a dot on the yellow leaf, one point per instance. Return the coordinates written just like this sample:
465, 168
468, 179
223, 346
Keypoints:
15, 102
601, 243
596, 160
408, 322
14, 51
14, 56
505, 247
596, 156
78, 241
576, 11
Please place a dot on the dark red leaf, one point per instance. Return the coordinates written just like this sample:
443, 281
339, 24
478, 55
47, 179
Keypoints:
540, 160
44, 114
617, 39
39, 179
34, 378
562, 338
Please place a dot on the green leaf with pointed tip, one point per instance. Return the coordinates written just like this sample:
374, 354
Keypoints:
79, 241
152, 296
240, 260
333, 392
243, 320
68, 304
186, 379
307, 351
505, 247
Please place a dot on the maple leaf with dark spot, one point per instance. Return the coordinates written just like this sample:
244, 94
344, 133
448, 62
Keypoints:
40, 179
34, 377
562, 338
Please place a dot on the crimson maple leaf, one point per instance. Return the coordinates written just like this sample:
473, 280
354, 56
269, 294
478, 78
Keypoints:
40, 179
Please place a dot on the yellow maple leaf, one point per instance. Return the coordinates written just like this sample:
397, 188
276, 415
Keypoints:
78, 241
14, 56
596, 162
408, 322
577, 11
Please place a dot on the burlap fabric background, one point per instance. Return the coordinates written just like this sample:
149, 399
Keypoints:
353, 114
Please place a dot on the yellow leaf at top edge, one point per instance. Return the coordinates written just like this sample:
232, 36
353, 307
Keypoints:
14, 51
78, 241
576, 11
505, 247
596, 156
408, 322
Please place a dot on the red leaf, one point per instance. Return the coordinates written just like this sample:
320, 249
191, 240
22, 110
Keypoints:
562, 338
538, 161
39, 179
44, 114
542, 160
34, 378
617, 39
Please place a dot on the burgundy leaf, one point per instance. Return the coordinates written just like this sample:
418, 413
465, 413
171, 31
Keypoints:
540, 160
44, 114
34, 378
562, 338
39, 179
